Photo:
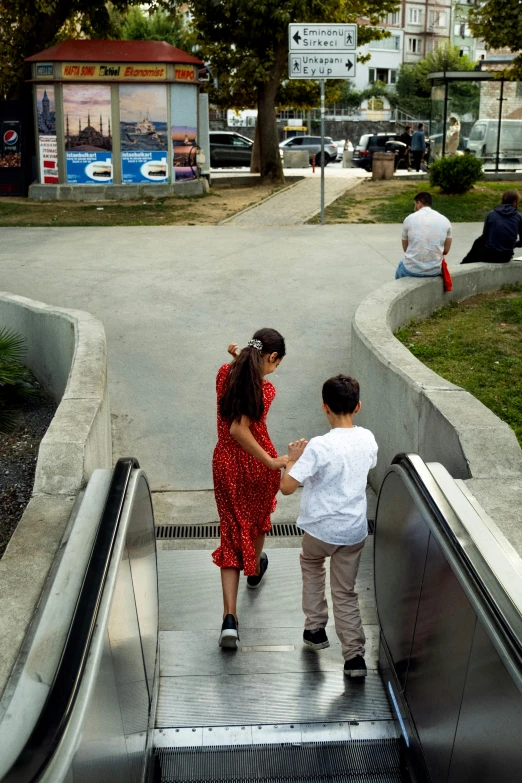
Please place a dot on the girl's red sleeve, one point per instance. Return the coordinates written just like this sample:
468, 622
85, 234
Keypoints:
220, 379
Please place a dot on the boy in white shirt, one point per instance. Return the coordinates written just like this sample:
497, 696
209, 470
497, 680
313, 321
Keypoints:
334, 470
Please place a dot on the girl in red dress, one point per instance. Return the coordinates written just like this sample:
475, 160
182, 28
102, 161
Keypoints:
246, 468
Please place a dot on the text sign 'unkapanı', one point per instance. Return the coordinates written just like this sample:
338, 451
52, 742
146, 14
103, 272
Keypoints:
322, 37
320, 66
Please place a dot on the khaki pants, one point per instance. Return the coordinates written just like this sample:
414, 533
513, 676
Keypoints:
344, 564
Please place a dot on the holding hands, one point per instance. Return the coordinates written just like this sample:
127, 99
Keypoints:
296, 448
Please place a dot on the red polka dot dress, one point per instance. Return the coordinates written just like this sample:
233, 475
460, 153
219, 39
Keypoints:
245, 489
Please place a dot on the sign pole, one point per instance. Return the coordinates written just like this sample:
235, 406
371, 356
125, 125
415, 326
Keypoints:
322, 152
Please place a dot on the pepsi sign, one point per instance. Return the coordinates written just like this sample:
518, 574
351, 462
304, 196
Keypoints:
10, 137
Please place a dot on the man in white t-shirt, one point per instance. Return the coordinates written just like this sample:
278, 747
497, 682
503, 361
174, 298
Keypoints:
426, 238
334, 470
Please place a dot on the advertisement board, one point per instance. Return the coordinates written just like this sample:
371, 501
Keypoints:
88, 136
184, 119
47, 147
119, 71
10, 145
144, 133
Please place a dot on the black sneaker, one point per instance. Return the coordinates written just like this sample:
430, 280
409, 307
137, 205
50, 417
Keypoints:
316, 640
355, 667
254, 581
229, 635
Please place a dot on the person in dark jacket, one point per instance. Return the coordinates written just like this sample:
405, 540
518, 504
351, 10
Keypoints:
502, 233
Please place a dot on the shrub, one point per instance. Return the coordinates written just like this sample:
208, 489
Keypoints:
455, 173
15, 380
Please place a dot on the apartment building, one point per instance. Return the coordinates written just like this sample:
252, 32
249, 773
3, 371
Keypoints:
461, 35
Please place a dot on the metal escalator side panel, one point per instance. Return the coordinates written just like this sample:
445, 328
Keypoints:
56, 713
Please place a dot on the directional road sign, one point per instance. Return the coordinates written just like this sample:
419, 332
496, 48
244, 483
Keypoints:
322, 37
303, 65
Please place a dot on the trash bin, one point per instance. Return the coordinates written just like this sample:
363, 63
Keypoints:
347, 159
296, 159
383, 165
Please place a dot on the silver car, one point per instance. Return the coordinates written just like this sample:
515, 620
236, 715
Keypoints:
313, 145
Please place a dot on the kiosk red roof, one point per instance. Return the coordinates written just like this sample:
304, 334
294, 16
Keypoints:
114, 51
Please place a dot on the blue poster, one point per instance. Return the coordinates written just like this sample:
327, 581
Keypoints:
89, 168
144, 166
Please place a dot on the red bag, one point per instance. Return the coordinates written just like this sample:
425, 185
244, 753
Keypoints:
446, 277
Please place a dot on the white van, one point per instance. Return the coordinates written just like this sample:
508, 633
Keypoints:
483, 141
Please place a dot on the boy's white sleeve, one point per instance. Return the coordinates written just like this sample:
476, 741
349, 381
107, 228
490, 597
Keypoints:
306, 465
374, 449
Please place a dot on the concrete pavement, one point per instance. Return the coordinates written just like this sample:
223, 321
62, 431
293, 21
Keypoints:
171, 300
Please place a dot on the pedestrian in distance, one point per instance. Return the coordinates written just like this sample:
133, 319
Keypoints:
501, 235
334, 470
418, 146
405, 138
246, 468
426, 239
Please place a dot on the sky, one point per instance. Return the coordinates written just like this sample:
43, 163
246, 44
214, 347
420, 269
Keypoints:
80, 99
137, 100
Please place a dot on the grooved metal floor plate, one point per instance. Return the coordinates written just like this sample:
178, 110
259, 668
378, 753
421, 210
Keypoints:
269, 698
202, 685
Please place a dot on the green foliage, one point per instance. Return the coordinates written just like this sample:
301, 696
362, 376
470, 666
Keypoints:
499, 24
413, 88
28, 26
14, 377
135, 25
455, 173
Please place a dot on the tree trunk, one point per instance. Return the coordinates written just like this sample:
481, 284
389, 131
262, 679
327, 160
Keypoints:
271, 168
255, 165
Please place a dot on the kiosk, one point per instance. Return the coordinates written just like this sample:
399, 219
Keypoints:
115, 120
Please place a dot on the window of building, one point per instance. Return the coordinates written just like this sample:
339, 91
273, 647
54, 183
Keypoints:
464, 51
437, 19
415, 45
385, 75
415, 15
393, 43
393, 19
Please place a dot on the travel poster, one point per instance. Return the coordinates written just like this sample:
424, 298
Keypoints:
88, 136
184, 119
47, 146
144, 133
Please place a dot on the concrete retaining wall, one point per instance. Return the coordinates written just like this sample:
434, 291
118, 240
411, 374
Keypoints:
67, 353
409, 407
102, 193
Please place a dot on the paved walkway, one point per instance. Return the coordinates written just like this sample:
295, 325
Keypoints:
171, 300
296, 204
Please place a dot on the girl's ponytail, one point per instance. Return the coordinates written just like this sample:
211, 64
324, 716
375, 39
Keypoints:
243, 395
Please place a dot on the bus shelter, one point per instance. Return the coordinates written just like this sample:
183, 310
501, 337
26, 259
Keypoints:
477, 113
115, 115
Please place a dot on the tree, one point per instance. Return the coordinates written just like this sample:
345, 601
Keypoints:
134, 25
413, 88
499, 24
28, 26
246, 44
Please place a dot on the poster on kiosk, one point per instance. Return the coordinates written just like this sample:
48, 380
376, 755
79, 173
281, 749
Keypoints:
143, 133
88, 135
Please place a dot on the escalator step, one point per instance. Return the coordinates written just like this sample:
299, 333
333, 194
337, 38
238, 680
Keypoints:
356, 761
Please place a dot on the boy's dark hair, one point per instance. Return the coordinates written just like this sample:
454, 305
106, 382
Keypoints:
420, 126
341, 394
424, 198
243, 394
510, 197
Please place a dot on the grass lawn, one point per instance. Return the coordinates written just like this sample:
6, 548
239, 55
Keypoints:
391, 201
477, 344
208, 209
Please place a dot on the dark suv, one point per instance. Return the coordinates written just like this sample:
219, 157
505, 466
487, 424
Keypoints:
368, 144
229, 149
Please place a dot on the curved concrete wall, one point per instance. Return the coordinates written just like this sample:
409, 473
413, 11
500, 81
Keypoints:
409, 407
67, 353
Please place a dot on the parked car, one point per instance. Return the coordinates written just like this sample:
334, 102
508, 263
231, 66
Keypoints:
368, 144
229, 149
340, 148
313, 145
483, 140
435, 142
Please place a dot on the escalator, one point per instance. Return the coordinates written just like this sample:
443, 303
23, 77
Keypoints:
442, 701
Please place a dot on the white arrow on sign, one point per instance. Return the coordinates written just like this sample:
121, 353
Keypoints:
320, 66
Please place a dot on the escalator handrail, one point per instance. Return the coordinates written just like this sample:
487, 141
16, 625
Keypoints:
54, 717
470, 566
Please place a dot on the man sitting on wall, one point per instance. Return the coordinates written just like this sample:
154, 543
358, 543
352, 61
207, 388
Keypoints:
426, 238
501, 235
